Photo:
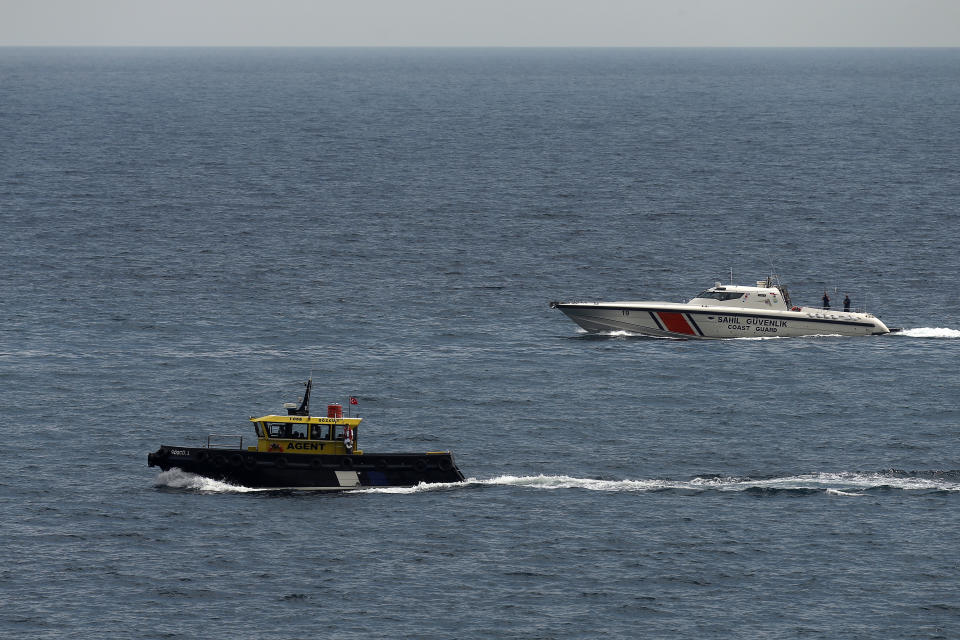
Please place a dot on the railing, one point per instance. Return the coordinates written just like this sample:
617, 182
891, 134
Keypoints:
839, 309
225, 441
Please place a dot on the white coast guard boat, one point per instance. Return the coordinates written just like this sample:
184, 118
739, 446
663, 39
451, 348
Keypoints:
723, 311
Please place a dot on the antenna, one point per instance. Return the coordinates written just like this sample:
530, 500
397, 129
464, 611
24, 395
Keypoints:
772, 278
731, 275
304, 408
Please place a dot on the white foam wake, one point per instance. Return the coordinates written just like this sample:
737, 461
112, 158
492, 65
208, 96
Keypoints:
570, 482
614, 333
844, 483
837, 484
929, 332
177, 479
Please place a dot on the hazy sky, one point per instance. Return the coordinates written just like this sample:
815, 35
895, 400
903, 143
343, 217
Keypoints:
481, 22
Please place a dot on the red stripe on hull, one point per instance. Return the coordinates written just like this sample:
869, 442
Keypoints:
675, 322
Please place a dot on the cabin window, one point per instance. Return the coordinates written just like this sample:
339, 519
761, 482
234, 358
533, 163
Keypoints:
278, 429
720, 295
319, 431
258, 427
298, 431
286, 430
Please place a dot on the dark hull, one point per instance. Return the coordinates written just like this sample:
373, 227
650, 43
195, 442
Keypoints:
329, 472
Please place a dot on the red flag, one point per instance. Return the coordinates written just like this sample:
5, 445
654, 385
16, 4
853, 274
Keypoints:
354, 400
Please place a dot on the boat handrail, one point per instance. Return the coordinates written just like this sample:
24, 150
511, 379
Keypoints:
224, 445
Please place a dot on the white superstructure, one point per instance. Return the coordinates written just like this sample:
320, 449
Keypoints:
723, 311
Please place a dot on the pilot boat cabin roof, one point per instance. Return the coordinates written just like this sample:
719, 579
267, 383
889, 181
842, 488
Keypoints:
308, 420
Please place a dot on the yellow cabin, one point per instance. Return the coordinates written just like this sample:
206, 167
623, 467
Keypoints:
304, 434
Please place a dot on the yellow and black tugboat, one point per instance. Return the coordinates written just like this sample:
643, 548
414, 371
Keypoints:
306, 452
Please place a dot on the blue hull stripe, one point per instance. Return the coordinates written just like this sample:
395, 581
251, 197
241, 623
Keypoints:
694, 324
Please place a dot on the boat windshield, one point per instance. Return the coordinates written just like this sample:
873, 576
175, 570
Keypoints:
720, 295
286, 430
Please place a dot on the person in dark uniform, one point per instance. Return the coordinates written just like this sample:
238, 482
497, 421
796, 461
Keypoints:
846, 303
826, 300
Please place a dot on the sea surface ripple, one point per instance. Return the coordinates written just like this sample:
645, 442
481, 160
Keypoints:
190, 233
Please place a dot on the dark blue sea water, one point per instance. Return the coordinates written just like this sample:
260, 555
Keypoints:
187, 234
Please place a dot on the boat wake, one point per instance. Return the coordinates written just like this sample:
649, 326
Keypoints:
844, 484
583, 334
929, 332
177, 479
835, 484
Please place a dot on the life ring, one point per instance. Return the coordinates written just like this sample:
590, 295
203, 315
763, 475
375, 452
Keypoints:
236, 460
420, 466
444, 465
794, 308
249, 463
280, 462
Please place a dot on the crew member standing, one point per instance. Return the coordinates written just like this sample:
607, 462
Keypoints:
826, 300
846, 303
